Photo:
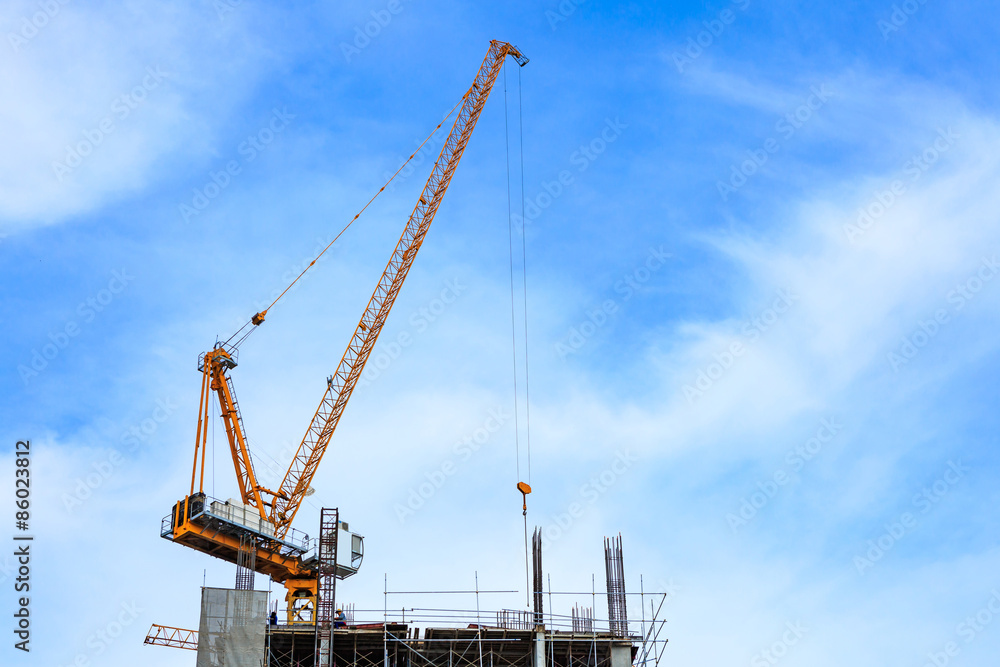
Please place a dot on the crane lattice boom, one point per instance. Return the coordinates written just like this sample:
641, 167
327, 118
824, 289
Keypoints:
324, 422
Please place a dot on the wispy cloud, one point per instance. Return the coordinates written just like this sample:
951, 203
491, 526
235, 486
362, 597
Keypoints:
98, 101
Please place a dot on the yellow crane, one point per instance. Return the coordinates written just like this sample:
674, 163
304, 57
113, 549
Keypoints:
262, 518
164, 635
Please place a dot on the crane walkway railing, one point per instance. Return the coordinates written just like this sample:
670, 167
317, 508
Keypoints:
233, 517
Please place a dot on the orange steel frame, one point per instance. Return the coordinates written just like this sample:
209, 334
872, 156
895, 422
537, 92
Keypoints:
164, 635
279, 507
271, 562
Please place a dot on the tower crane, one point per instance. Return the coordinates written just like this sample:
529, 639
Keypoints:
262, 517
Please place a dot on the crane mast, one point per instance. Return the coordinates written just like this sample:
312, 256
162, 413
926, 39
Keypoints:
221, 531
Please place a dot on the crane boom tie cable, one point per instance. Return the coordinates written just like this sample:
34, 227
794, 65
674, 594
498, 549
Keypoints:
513, 339
510, 234
524, 282
258, 318
524, 275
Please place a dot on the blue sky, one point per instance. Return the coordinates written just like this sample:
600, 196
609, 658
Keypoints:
761, 304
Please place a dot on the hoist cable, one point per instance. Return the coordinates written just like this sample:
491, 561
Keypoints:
213, 446
524, 276
251, 323
513, 333
527, 573
510, 245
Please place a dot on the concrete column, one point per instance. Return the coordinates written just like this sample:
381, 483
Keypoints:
621, 654
540, 648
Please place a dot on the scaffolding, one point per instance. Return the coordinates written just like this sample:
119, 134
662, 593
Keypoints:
395, 644
445, 636
515, 619
233, 628
234, 631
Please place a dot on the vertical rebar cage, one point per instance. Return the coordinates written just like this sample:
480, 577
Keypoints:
536, 558
615, 569
246, 562
582, 619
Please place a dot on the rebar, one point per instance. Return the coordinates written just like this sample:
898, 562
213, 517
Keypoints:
615, 569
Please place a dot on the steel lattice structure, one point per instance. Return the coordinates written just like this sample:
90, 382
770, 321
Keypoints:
207, 526
164, 635
615, 569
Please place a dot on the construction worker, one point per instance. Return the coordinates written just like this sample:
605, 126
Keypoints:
340, 619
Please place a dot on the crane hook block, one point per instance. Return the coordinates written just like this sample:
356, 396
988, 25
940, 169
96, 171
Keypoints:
525, 490
258, 318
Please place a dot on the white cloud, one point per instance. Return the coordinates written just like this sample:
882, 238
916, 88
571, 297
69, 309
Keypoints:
852, 303
96, 103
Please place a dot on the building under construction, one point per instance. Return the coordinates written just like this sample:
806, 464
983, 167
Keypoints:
236, 630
